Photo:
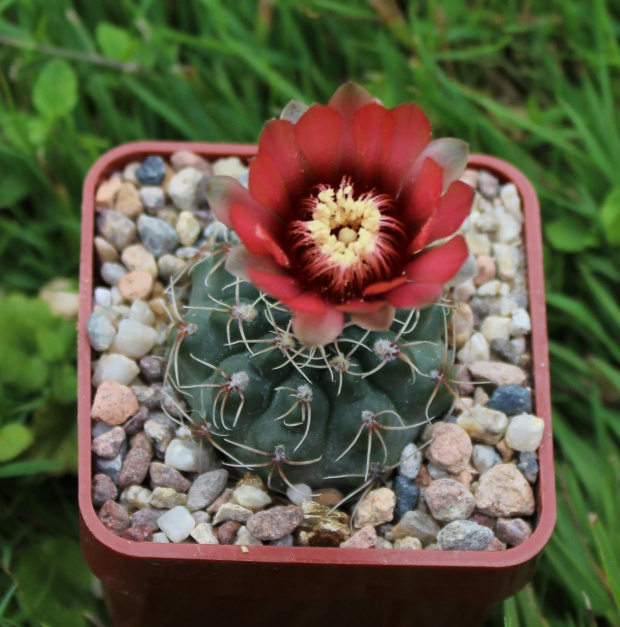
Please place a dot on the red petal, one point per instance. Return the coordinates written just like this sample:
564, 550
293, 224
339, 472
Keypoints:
360, 306
422, 233
440, 263
245, 222
412, 295
222, 192
278, 141
240, 258
272, 246
267, 187
452, 210
318, 136
383, 286
367, 125
307, 302
279, 286
406, 132
425, 194
380, 320
317, 330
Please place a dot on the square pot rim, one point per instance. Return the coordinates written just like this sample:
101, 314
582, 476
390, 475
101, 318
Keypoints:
510, 558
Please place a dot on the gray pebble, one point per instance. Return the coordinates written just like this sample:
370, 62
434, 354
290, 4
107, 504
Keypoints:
407, 496
148, 395
485, 457
206, 488
136, 422
118, 229
528, 465
153, 198
112, 272
464, 535
287, 540
160, 434
511, 351
158, 237
151, 171
101, 331
167, 477
112, 467
108, 444
488, 184
148, 516
511, 399
103, 489
153, 368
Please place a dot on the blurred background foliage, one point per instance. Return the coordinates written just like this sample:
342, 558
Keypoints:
534, 82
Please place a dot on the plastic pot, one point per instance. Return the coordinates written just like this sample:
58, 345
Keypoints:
164, 584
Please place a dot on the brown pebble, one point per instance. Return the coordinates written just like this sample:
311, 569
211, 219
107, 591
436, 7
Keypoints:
105, 251
497, 372
328, 497
141, 440
136, 423
227, 531
135, 467
275, 523
114, 403
483, 519
504, 450
486, 269
128, 201
103, 489
423, 479
108, 444
106, 192
365, 538
464, 477
451, 447
168, 477
139, 533
495, 545
136, 285
114, 517
223, 498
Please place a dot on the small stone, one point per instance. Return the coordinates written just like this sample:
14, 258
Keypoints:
136, 257
102, 297
376, 508
160, 434
129, 172
462, 325
495, 545
160, 538
417, 524
435, 472
136, 496
101, 331
483, 424
148, 396
511, 399
112, 272
188, 228
108, 444
177, 523
410, 461
140, 440
474, 350
183, 189
528, 465
167, 498
128, 201
322, 527
382, 543
464, 535
512, 531
206, 488
103, 489
229, 166
189, 456
136, 285
490, 288
451, 447
408, 543
169, 266
147, 516
521, 323
111, 467
449, 500
105, 251
201, 517
113, 403
423, 479
509, 230
106, 192
508, 260
157, 235
167, 477
464, 291
483, 519
232, 511
486, 269
329, 497
284, 541
114, 517
275, 523
186, 159
152, 197
134, 339
135, 467
497, 373
117, 229
485, 457
478, 243
138, 533
152, 171
512, 351
251, 497
504, 491
496, 328
203, 534
525, 433
407, 496
298, 493
365, 538
224, 497
142, 313
153, 368
488, 185
227, 531
504, 450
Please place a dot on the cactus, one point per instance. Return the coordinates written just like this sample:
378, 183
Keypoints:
313, 349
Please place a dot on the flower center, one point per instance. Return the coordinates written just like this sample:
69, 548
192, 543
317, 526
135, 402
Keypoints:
345, 242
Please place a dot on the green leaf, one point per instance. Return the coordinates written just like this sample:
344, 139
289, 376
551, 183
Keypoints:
55, 92
610, 216
115, 42
12, 189
35, 467
15, 438
569, 234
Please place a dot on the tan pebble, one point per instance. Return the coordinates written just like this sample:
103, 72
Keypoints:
504, 450
504, 491
464, 477
128, 201
486, 269
464, 291
223, 498
167, 178
227, 531
136, 285
497, 372
157, 306
451, 448
495, 545
408, 543
169, 215
187, 228
136, 257
129, 172
423, 479
105, 251
328, 497
186, 159
480, 396
114, 403
376, 508
106, 192
464, 403
463, 324
365, 538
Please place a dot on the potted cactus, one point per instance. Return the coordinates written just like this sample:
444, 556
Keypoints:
316, 342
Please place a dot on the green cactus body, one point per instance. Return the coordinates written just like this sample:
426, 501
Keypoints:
310, 415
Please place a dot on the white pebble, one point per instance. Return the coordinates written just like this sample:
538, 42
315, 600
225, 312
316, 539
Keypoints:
177, 523
204, 534
136, 496
302, 492
525, 433
478, 243
187, 455
410, 461
183, 188
507, 305
475, 349
507, 260
117, 297
510, 197
230, 166
521, 322
435, 472
496, 328
251, 497
490, 288
160, 538
245, 538
485, 457
141, 312
509, 230
103, 297
483, 424
134, 339
188, 228
117, 368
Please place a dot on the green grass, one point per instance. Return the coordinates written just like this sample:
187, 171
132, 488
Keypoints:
535, 83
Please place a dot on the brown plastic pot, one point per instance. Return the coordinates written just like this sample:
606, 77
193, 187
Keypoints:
189, 584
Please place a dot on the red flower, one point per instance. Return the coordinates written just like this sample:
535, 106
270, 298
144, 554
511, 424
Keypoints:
345, 202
